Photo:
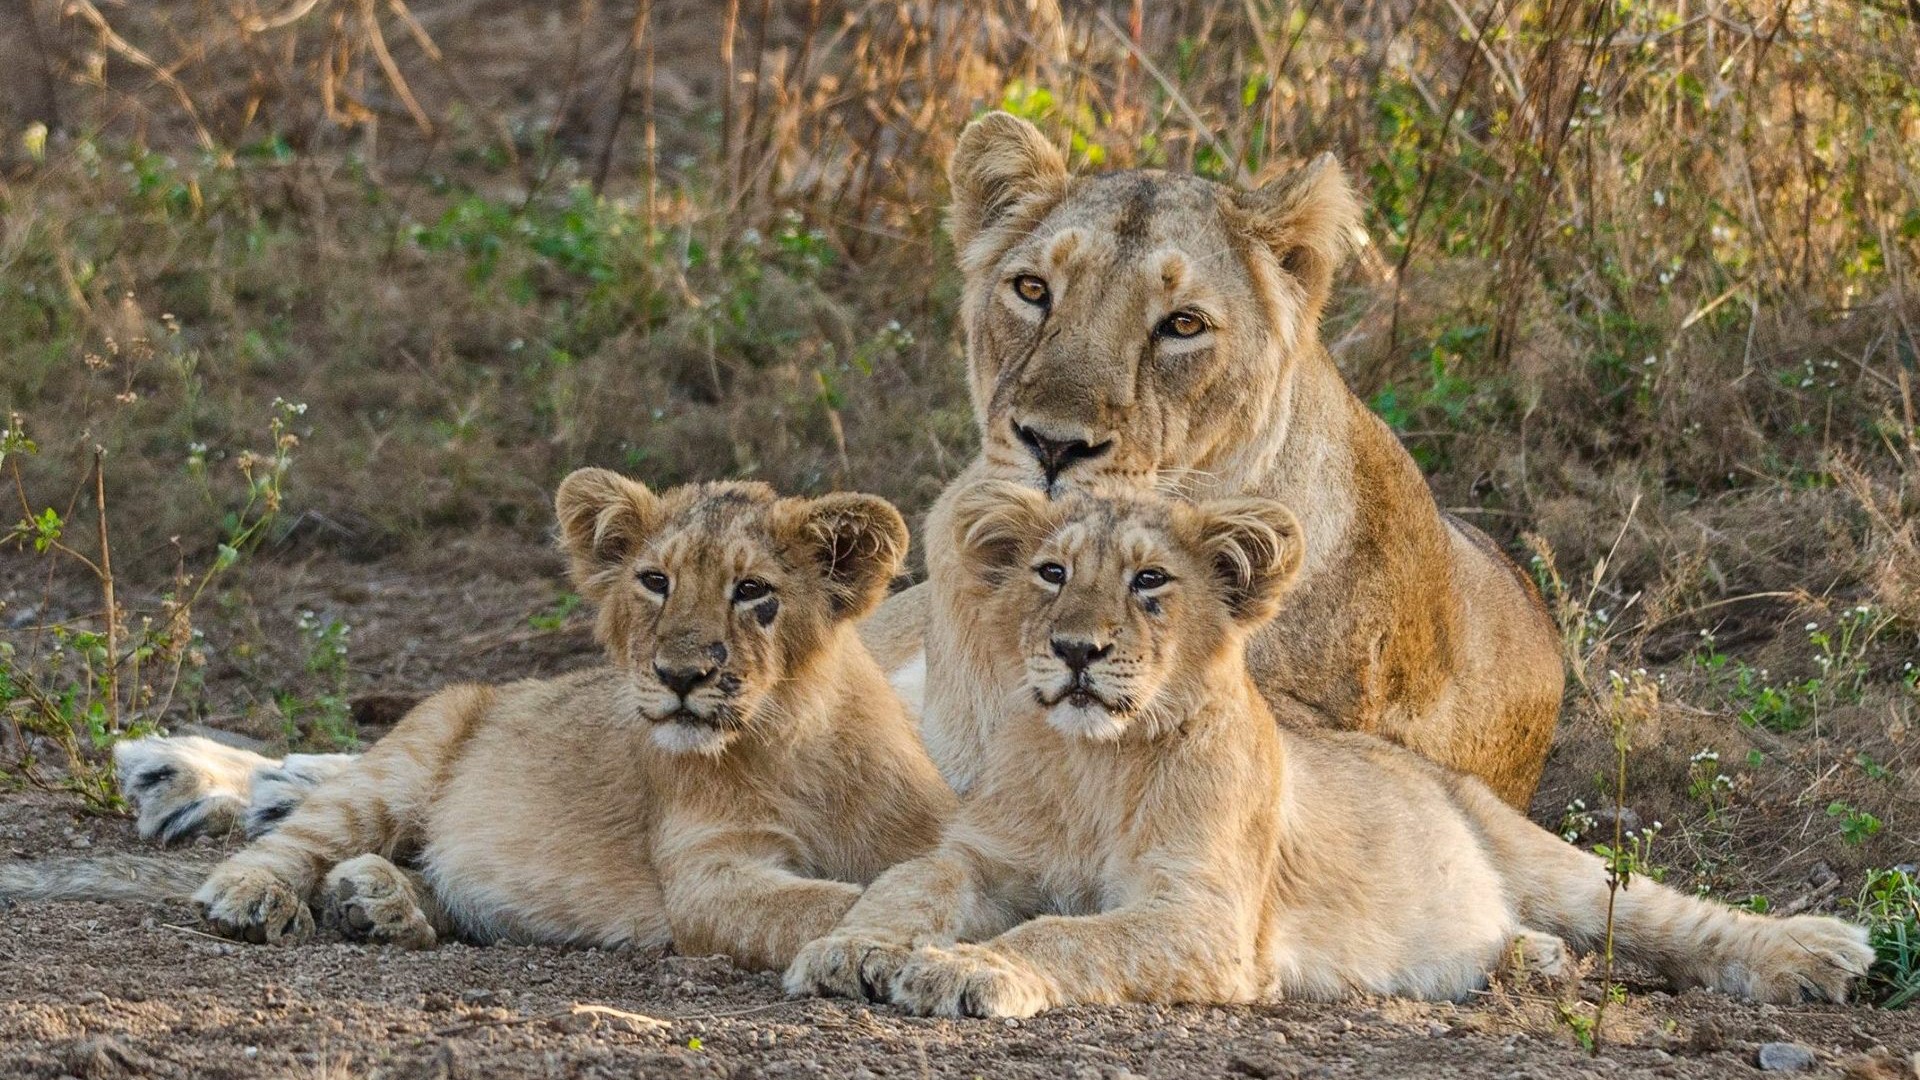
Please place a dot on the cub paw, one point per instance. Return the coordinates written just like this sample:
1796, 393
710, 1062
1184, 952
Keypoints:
250, 904
1534, 956
967, 980
1804, 958
183, 787
370, 899
842, 965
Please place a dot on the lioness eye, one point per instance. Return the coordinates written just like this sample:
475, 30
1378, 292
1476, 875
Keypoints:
1150, 579
1052, 573
1181, 324
750, 589
1032, 290
654, 581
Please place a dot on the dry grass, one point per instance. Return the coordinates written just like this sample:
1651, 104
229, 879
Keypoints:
1641, 283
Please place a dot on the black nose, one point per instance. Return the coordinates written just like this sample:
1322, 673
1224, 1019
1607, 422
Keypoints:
682, 681
1055, 454
1078, 654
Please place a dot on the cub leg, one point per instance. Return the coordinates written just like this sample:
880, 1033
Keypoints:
733, 891
1562, 890
370, 899
1187, 947
937, 899
375, 804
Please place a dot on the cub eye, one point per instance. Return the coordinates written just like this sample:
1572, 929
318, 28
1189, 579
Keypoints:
1181, 324
1052, 573
654, 582
751, 589
1033, 290
1149, 579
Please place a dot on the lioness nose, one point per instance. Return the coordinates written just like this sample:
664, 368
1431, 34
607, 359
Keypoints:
1055, 453
1078, 654
682, 680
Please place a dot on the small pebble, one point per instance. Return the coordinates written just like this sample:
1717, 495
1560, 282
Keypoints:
1783, 1057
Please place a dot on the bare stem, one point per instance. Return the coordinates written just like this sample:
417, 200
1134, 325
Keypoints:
105, 570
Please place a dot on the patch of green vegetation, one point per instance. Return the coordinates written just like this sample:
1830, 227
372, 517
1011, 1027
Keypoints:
1889, 906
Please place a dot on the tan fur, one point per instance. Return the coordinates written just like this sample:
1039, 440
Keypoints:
1404, 623
600, 808
1126, 839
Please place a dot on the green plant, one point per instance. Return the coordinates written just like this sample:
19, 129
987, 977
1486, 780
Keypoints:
554, 616
1856, 825
326, 716
1889, 905
1706, 784
83, 684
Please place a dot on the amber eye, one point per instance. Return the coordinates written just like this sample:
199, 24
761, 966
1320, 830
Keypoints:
654, 582
1052, 573
751, 589
1032, 290
1150, 579
1181, 324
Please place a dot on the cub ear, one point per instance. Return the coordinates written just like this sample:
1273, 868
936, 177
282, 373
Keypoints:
1255, 550
995, 523
999, 160
859, 542
1309, 218
604, 518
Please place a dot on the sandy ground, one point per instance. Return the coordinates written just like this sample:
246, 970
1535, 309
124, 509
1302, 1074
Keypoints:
99, 990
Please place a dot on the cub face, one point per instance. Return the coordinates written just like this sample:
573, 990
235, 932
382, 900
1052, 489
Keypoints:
1126, 605
712, 595
1123, 324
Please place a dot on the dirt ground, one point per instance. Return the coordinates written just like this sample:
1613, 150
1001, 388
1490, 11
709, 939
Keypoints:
99, 990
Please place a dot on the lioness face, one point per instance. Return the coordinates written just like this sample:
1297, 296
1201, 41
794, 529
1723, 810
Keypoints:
1127, 604
1124, 325
714, 595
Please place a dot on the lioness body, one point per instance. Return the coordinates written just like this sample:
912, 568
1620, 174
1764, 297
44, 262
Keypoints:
1144, 830
725, 784
1405, 623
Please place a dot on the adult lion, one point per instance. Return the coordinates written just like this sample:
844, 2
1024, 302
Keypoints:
1161, 329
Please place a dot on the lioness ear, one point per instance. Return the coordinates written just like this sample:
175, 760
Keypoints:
604, 518
995, 523
1308, 217
859, 542
999, 160
1255, 548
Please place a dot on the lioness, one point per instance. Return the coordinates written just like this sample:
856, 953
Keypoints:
1127, 840
1163, 329
726, 783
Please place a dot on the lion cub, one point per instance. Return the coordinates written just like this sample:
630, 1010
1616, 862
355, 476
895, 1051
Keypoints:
726, 783
1127, 840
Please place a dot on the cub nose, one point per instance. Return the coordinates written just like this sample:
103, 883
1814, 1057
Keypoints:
1078, 654
683, 680
1055, 453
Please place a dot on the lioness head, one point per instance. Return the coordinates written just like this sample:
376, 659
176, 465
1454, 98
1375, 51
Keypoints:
1130, 323
1126, 606
714, 595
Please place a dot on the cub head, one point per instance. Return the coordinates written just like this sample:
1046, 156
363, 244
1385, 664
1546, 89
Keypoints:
1126, 324
717, 597
1128, 607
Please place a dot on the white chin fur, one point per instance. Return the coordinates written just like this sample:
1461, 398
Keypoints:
677, 738
1091, 721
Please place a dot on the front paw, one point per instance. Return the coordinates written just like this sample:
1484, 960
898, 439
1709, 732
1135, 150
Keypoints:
843, 965
247, 903
1804, 958
369, 899
968, 980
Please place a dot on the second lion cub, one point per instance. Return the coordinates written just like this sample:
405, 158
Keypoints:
1143, 830
725, 783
